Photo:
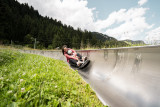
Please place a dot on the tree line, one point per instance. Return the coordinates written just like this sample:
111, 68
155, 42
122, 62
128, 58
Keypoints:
22, 25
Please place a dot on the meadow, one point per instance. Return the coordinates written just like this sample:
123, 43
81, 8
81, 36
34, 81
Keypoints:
33, 80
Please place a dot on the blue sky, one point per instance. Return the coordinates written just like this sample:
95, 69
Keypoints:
153, 14
105, 7
122, 19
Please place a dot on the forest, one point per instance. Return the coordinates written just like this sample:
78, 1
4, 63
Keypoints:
21, 24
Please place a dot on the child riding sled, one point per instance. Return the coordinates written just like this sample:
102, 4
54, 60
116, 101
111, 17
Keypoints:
73, 58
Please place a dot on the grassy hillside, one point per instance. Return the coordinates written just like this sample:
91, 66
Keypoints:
32, 80
131, 42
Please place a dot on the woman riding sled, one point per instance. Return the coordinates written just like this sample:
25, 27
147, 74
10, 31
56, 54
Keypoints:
73, 58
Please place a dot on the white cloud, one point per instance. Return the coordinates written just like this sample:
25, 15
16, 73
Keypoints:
153, 36
70, 12
142, 2
131, 23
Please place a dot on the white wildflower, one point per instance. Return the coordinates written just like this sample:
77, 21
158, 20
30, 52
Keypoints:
1, 78
21, 80
34, 75
18, 70
22, 89
56, 86
9, 92
24, 73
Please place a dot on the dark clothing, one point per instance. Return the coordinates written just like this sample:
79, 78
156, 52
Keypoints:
80, 56
73, 62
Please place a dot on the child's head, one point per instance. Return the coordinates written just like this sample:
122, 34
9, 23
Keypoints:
69, 52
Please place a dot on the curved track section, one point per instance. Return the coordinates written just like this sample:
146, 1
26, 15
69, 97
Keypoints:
121, 77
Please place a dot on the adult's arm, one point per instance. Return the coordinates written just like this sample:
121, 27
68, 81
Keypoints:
70, 57
74, 52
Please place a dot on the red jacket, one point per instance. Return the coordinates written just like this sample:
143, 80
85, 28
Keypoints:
69, 56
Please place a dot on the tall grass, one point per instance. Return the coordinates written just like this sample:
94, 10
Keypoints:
32, 80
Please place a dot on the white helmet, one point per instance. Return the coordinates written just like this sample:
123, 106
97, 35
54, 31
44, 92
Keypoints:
69, 52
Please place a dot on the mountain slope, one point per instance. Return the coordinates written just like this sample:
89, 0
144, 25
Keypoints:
102, 37
134, 42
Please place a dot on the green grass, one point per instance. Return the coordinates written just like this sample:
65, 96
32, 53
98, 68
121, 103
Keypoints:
32, 80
